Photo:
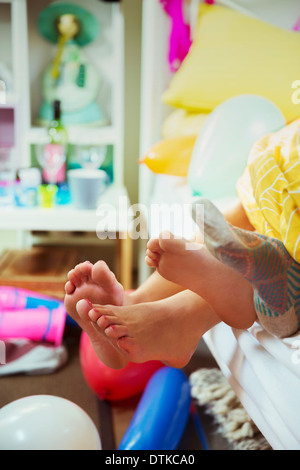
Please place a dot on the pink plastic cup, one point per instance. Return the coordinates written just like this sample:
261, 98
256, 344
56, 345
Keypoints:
37, 324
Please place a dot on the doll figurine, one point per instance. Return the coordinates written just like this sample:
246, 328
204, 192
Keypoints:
70, 78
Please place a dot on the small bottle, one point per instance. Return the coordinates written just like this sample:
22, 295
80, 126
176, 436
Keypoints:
55, 152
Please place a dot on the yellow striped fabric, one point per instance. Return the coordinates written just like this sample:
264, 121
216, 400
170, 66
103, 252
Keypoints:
269, 189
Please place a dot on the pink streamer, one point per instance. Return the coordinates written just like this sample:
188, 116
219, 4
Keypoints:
179, 41
297, 25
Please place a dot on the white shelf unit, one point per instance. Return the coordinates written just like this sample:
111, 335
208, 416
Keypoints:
27, 54
106, 54
14, 53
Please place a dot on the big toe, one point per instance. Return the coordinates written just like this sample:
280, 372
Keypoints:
101, 274
83, 307
171, 244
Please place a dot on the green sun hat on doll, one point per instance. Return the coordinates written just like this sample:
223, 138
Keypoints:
70, 77
88, 27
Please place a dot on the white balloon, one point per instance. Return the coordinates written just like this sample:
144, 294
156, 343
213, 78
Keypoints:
223, 144
46, 422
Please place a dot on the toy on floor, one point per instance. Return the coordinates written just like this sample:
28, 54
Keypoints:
220, 154
36, 324
14, 298
111, 384
18, 298
200, 433
162, 413
44, 422
29, 315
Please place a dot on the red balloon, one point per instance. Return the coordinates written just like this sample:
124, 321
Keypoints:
113, 384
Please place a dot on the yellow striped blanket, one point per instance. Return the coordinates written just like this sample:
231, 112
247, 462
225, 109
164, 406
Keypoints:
270, 187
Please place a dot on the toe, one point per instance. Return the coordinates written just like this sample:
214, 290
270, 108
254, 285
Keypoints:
151, 262
74, 278
153, 246
101, 274
98, 311
83, 307
116, 331
103, 321
152, 254
69, 288
171, 244
85, 270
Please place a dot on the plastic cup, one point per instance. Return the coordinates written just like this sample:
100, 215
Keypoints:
46, 193
86, 187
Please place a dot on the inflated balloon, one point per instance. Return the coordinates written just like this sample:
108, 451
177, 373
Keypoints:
113, 384
162, 413
45, 422
222, 147
171, 156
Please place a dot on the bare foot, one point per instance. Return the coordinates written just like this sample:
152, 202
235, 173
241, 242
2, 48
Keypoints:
176, 259
167, 330
192, 266
89, 284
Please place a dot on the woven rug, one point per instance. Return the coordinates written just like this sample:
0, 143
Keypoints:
209, 388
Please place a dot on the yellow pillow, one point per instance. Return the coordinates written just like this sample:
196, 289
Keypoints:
181, 123
233, 54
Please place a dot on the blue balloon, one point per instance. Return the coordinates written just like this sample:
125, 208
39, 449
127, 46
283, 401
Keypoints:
162, 413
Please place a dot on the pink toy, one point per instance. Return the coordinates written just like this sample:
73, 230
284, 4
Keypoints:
37, 324
17, 298
179, 42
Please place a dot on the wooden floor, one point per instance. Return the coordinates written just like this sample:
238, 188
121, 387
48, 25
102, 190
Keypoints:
111, 419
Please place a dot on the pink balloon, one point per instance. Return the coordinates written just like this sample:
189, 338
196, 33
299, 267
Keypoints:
113, 384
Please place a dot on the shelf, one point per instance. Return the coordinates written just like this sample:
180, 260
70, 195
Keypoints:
11, 101
78, 135
68, 218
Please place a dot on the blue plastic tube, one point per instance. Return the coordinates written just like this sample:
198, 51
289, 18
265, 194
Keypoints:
162, 413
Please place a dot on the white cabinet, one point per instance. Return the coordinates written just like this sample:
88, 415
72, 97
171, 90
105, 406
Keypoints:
26, 54
30, 54
14, 109
106, 55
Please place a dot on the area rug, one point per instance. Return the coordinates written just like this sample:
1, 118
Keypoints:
210, 388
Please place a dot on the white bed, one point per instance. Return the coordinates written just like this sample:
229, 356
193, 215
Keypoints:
263, 371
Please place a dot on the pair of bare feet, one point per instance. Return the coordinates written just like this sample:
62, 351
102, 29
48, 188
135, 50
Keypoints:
169, 329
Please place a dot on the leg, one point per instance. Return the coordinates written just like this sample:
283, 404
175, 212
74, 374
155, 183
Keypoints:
167, 330
236, 216
265, 263
196, 269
